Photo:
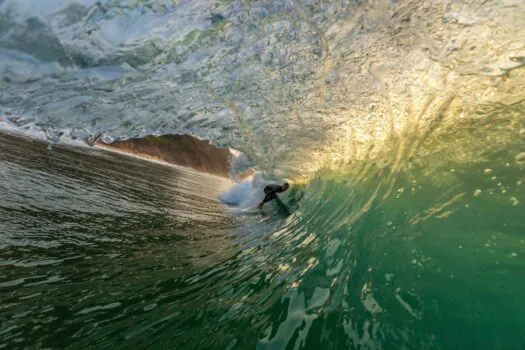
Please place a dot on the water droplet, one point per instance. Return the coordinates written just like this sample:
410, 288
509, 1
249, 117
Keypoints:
488, 171
477, 193
512, 255
514, 201
520, 158
284, 267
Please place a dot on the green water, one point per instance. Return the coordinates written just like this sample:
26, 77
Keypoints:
418, 246
422, 247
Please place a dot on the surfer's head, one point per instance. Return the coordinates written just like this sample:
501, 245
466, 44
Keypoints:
285, 186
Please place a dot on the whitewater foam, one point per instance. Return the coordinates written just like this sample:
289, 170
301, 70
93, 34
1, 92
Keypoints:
246, 194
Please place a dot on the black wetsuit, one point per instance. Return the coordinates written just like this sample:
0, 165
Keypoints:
271, 192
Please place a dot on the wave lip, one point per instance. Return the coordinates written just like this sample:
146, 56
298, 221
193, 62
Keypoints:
266, 78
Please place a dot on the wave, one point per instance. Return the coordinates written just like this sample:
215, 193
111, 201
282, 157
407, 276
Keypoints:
400, 123
276, 81
420, 232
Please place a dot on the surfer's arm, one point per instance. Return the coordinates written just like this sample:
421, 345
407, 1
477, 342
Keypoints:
269, 196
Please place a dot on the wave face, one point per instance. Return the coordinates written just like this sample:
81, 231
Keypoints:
402, 124
420, 247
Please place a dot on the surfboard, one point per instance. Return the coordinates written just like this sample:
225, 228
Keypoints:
265, 218
251, 210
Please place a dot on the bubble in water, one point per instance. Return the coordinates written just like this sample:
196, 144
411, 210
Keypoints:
514, 201
477, 193
488, 171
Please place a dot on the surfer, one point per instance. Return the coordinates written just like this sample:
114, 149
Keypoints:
271, 191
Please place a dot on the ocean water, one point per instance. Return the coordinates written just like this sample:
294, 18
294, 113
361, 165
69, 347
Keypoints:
401, 125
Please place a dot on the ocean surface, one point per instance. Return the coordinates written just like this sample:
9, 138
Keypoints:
400, 124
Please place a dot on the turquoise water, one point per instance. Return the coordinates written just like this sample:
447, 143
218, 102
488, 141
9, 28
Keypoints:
106, 251
400, 124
